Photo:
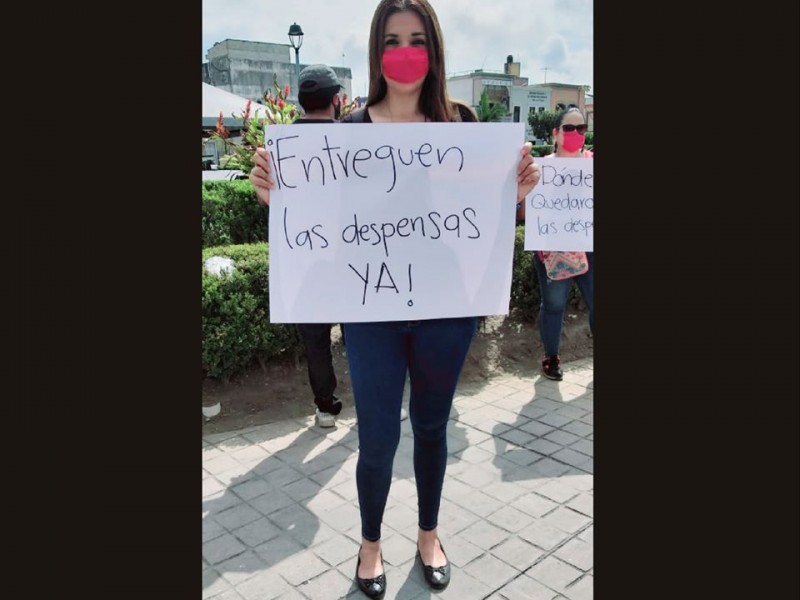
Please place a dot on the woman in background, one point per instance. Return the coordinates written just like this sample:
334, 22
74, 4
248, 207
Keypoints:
569, 134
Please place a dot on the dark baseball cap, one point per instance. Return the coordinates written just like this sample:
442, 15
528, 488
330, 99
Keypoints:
317, 77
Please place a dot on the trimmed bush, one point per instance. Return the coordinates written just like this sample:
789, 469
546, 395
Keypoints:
232, 215
542, 150
525, 294
236, 327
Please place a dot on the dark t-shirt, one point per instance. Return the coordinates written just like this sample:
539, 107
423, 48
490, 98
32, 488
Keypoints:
465, 113
301, 121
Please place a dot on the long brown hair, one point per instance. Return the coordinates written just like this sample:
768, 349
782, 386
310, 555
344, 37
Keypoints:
433, 100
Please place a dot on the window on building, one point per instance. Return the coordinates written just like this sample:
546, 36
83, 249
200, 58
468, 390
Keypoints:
497, 94
516, 114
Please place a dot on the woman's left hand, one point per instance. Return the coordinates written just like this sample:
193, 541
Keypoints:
528, 173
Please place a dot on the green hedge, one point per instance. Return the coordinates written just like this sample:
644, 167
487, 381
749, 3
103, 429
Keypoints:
525, 295
236, 327
524, 285
231, 214
544, 150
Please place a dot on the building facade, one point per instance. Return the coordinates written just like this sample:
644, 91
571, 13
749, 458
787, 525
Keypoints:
548, 96
246, 68
589, 112
516, 95
468, 87
526, 100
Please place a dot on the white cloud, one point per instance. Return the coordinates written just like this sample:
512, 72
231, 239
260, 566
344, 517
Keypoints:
556, 34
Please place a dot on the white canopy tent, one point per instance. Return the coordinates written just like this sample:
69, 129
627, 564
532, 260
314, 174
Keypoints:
216, 100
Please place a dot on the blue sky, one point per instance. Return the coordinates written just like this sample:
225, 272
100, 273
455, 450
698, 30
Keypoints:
552, 34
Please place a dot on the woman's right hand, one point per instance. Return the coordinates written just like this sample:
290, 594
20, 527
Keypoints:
261, 176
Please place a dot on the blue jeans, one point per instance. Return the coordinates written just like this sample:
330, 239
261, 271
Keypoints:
379, 354
554, 300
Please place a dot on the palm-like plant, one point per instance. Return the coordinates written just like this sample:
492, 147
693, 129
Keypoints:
239, 155
278, 111
488, 111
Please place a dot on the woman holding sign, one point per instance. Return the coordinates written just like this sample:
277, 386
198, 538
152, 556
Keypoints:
569, 134
407, 85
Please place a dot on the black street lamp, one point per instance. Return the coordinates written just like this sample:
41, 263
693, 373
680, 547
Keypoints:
296, 39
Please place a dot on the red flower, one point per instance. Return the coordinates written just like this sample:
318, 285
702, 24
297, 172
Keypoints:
247, 110
281, 104
286, 91
221, 127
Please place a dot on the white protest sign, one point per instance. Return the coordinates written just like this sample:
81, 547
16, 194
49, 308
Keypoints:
391, 221
559, 212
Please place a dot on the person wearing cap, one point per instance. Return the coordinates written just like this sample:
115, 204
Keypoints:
318, 95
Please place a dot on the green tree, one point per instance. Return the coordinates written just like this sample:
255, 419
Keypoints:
543, 123
489, 111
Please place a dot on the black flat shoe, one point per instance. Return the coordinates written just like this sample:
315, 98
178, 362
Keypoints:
372, 588
437, 577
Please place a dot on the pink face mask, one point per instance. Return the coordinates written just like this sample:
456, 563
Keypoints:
573, 140
405, 65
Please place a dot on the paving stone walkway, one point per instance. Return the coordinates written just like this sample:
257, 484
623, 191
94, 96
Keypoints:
280, 509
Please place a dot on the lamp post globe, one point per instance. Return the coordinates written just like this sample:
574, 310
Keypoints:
296, 40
